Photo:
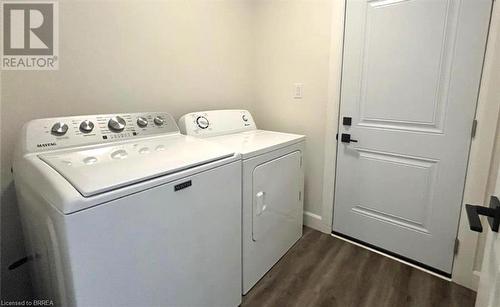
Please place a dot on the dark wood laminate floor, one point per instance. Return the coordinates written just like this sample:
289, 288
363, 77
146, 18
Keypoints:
324, 271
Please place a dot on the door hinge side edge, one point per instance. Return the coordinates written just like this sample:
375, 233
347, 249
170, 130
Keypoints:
457, 245
474, 128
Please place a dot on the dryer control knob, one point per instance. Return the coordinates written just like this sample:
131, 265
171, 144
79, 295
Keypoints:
159, 120
202, 122
59, 129
86, 126
142, 122
116, 124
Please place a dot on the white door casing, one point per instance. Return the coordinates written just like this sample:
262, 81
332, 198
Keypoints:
488, 294
467, 262
410, 81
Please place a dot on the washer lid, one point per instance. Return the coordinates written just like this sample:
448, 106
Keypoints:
102, 169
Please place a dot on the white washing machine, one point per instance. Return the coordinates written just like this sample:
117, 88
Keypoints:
123, 210
272, 184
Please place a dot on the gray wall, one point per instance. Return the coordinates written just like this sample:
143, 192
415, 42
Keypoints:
125, 56
177, 56
292, 45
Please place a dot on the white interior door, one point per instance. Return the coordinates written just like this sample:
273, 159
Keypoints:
410, 82
488, 294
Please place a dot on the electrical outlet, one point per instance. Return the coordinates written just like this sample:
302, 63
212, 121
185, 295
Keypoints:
298, 89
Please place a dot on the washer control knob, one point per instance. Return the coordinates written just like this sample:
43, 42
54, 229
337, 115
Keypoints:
142, 122
86, 126
202, 122
159, 120
116, 124
59, 129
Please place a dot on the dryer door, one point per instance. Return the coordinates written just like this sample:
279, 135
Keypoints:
277, 189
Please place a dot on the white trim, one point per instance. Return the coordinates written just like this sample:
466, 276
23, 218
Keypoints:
392, 257
475, 277
313, 221
480, 159
332, 111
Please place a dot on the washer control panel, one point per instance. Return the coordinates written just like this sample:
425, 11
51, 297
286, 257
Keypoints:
53, 133
218, 122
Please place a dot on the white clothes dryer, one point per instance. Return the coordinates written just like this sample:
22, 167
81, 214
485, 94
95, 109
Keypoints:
272, 184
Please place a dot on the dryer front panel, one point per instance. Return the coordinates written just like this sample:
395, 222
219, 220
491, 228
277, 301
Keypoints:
276, 196
272, 209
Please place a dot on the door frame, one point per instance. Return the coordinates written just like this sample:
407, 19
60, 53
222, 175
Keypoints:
480, 151
481, 159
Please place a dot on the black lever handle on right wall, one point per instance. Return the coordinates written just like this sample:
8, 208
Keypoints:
493, 214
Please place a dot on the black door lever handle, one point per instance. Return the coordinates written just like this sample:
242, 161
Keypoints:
493, 214
346, 138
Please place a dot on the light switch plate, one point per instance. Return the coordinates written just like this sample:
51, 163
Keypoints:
298, 89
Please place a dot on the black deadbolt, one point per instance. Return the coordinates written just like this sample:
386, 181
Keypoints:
347, 121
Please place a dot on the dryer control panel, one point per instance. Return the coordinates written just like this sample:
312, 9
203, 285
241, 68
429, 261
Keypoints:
217, 122
61, 132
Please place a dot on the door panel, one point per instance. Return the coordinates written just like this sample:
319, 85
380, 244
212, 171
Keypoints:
423, 34
410, 81
379, 199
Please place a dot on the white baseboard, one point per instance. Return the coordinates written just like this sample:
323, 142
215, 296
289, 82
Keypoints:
314, 221
475, 279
